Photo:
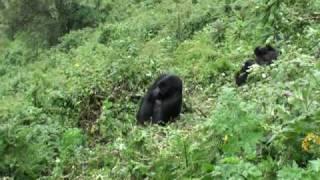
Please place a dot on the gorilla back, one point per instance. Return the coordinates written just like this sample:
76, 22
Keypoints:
162, 102
265, 55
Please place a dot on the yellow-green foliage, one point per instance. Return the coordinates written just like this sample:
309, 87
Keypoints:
67, 108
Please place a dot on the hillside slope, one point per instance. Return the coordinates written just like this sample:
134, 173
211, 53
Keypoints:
68, 111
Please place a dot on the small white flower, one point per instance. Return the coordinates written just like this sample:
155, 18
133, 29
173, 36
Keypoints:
264, 75
122, 146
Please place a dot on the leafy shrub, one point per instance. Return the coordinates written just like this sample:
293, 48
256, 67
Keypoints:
71, 108
45, 22
71, 151
238, 122
29, 143
294, 172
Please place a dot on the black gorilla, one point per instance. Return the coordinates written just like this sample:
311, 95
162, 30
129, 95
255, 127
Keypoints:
242, 75
264, 56
163, 100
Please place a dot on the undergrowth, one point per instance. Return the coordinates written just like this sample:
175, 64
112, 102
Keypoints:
68, 111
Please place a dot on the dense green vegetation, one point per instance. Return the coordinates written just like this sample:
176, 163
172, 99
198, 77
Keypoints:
71, 72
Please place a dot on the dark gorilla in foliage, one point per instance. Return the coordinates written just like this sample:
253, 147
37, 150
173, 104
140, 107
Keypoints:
264, 56
162, 103
242, 75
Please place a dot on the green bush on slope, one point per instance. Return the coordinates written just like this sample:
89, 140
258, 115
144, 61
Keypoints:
69, 111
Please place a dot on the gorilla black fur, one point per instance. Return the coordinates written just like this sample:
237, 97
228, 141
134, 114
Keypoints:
264, 56
162, 102
242, 75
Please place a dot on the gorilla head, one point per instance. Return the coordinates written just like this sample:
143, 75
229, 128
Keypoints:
265, 55
167, 86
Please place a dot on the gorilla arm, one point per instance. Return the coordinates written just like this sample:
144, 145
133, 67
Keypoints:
168, 108
157, 115
146, 110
